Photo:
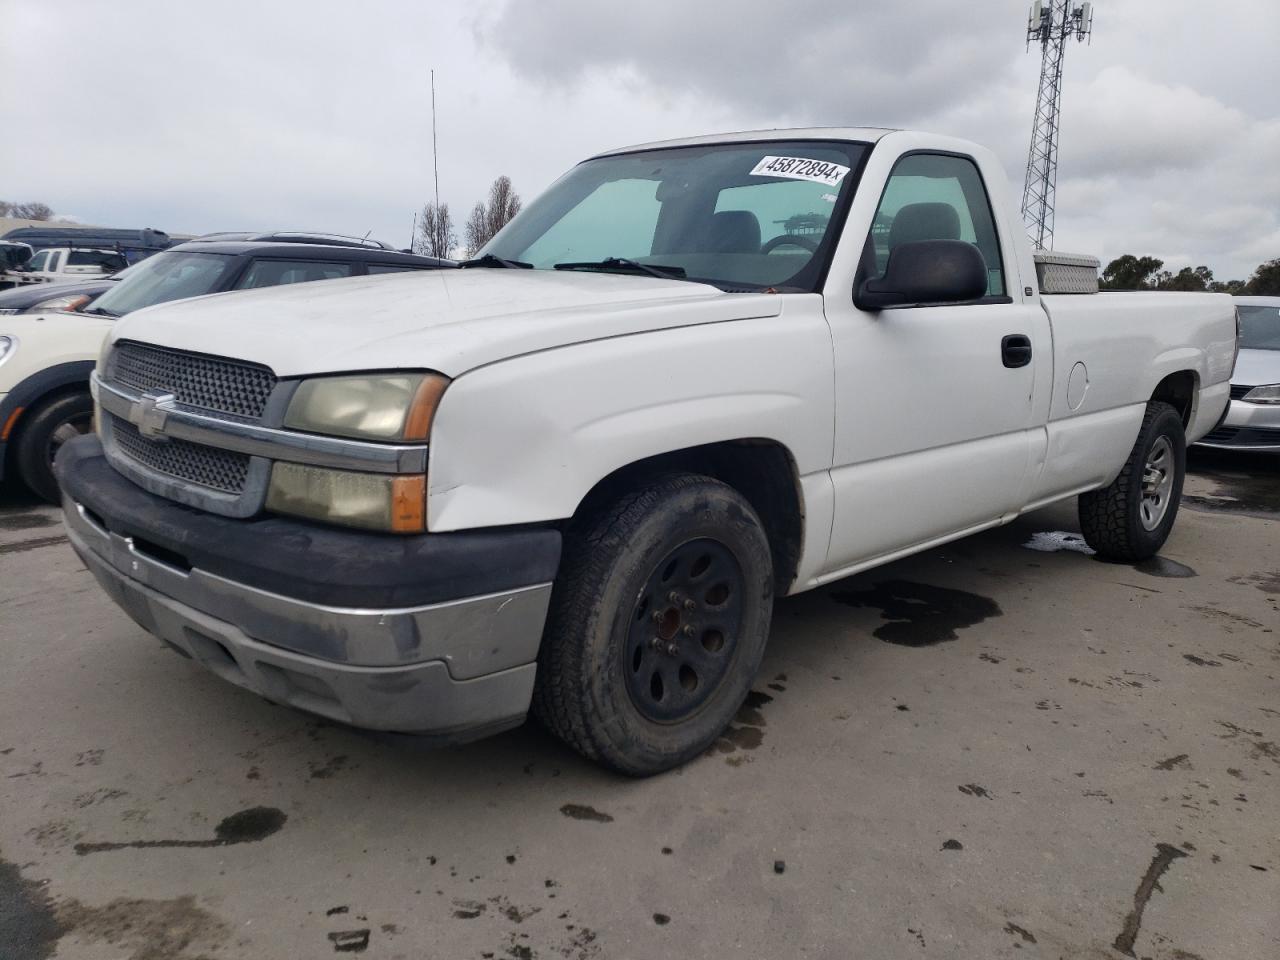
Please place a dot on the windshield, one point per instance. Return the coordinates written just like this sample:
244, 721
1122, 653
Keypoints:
1259, 327
163, 277
738, 215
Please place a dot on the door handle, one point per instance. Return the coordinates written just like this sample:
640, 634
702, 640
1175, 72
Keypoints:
1015, 350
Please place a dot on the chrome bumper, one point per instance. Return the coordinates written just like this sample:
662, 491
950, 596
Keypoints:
447, 668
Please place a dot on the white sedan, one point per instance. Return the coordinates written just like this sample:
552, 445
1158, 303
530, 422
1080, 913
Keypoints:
1253, 420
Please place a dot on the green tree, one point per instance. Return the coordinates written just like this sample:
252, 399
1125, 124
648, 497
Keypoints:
1130, 273
1187, 279
1265, 281
1227, 286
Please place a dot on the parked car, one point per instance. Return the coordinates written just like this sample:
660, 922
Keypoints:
50, 297
1253, 421
13, 257
576, 473
67, 265
134, 245
47, 357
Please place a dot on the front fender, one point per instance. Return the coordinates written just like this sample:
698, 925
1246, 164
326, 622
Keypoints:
525, 440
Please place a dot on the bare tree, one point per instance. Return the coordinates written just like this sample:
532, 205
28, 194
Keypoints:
436, 236
477, 229
30, 211
504, 204
487, 219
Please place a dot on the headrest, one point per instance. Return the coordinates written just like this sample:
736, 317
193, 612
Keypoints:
924, 221
734, 231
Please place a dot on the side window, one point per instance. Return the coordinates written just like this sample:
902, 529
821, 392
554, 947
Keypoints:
273, 273
39, 262
109, 262
617, 220
935, 197
393, 268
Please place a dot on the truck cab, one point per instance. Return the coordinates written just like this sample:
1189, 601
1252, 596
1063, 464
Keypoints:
69, 265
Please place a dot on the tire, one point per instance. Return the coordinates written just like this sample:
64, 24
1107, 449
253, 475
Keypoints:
657, 625
1131, 519
43, 433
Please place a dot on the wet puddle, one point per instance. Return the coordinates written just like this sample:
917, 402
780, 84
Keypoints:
1058, 540
920, 615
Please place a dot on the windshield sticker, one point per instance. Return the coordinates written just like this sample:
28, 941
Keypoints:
799, 168
829, 197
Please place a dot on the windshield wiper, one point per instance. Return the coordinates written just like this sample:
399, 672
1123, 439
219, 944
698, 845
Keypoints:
489, 260
613, 263
100, 312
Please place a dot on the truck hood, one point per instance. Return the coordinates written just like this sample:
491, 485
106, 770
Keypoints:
446, 320
1257, 367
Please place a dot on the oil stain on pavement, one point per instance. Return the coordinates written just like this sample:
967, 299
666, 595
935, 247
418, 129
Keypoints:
1165, 855
31, 924
747, 730
920, 615
246, 826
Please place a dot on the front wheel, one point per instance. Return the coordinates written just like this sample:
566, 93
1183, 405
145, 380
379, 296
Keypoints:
1131, 519
44, 432
657, 626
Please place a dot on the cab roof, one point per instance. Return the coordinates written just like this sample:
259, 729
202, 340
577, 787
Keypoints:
858, 134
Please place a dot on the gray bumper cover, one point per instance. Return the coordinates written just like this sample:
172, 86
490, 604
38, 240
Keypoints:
479, 678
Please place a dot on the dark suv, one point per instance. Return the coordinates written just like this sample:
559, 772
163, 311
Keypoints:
53, 404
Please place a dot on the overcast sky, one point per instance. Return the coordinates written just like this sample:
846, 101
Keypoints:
316, 114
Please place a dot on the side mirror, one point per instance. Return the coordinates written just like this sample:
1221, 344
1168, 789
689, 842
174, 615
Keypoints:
926, 271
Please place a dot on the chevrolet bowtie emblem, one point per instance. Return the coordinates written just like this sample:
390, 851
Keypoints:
149, 413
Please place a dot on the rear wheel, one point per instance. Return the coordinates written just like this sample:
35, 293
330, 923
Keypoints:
44, 431
658, 624
1131, 519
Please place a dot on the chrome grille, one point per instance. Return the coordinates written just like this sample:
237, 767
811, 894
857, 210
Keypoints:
222, 470
224, 386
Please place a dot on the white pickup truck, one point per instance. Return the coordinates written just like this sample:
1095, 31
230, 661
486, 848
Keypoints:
692, 376
67, 265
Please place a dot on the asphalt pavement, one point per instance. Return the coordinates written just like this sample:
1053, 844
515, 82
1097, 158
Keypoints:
999, 748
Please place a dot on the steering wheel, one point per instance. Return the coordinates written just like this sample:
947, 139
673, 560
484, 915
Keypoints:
790, 240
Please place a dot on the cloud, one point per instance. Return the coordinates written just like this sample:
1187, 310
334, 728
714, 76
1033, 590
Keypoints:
316, 113
1169, 120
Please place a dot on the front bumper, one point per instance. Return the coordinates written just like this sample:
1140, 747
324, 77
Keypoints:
445, 647
1247, 426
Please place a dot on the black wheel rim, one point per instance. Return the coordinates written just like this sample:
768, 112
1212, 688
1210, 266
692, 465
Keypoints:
68, 429
684, 631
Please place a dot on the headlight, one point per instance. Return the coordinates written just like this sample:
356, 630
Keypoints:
1267, 394
373, 501
8, 347
388, 407
393, 407
69, 302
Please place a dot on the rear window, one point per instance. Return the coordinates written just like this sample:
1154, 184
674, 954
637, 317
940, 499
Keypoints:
110, 262
1259, 327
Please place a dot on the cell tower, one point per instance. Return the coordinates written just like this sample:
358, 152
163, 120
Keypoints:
1050, 24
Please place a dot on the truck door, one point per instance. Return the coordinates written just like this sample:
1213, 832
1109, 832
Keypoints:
935, 419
